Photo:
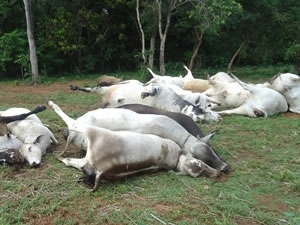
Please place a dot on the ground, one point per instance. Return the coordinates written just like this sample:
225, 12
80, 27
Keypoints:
13, 94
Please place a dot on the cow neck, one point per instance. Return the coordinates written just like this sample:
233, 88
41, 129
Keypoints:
189, 142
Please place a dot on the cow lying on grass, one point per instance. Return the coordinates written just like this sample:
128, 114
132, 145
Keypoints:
156, 95
185, 121
116, 154
34, 136
118, 119
9, 143
288, 84
247, 99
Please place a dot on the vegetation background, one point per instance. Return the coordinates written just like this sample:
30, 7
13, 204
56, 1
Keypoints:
85, 37
78, 40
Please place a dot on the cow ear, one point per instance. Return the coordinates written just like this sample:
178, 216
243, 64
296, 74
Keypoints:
208, 137
33, 140
197, 101
210, 81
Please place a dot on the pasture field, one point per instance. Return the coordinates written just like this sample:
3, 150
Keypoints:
262, 187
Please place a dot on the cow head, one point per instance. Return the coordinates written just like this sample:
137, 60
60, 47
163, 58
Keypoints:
32, 152
11, 156
202, 150
200, 114
189, 165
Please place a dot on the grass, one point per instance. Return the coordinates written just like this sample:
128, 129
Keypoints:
263, 186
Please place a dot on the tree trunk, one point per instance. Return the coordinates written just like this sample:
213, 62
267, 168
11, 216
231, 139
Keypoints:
296, 67
196, 49
141, 31
152, 50
31, 41
163, 34
242, 45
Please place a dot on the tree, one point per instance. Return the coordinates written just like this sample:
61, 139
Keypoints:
208, 16
31, 41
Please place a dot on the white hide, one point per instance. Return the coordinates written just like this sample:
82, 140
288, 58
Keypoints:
228, 94
195, 98
259, 102
10, 141
123, 119
223, 77
288, 84
196, 85
178, 81
35, 136
200, 85
163, 98
107, 150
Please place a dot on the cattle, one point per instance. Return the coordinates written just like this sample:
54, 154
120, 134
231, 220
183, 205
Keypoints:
11, 157
288, 85
116, 154
201, 85
222, 76
4, 120
9, 149
185, 121
196, 85
163, 97
178, 81
249, 99
196, 98
35, 136
228, 94
118, 119
9, 143
108, 80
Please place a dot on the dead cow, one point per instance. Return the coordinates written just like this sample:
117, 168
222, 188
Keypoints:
4, 120
116, 154
11, 157
36, 137
288, 84
108, 80
117, 119
10, 144
187, 122
247, 99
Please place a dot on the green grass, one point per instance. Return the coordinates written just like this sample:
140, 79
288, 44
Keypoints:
263, 186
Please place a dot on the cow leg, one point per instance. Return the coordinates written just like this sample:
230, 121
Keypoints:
77, 163
242, 110
97, 180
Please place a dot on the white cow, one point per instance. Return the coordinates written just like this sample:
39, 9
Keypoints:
178, 81
222, 76
201, 85
288, 84
35, 136
115, 154
196, 98
163, 97
249, 99
119, 119
228, 94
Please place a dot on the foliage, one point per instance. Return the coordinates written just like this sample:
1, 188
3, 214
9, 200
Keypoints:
14, 50
102, 36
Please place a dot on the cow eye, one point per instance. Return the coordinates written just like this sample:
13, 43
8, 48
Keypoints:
29, 149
